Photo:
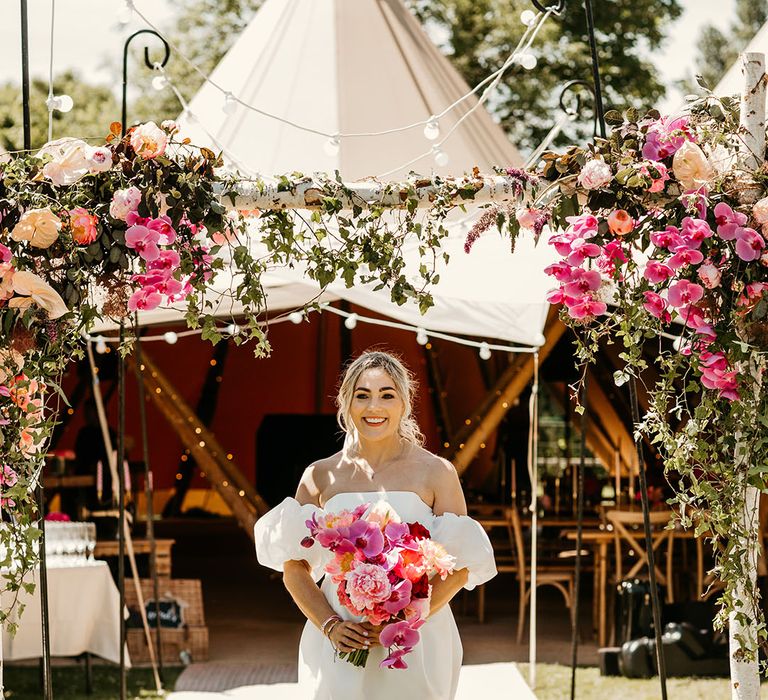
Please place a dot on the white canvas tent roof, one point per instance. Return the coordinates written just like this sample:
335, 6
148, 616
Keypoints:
732, 83
367, 65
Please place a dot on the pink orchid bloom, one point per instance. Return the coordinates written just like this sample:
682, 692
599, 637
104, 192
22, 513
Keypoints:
685, 256
664, 137
399, 598
749, 244
144, 241
656, 305
668, 238
144, 299
401, 634
5, 254
583, 224
683, 292
583, 281
581, 250
693, 317
695, 231
168, 260
186, 290
395, 659
586, 307
728, 221
561, 271
613, 251
558, 296
162, 224
562, 242
656, 272
132, 218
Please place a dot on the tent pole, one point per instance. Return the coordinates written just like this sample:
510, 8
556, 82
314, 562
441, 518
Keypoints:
121, 506
533, 470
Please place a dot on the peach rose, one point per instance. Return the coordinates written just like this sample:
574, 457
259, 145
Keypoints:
32, 288
38, 226
149, 140
83, 226
691, 167
620, 222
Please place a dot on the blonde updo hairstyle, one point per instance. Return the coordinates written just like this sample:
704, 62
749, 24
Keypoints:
404, 382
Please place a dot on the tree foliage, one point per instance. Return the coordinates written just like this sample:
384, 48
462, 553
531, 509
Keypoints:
719, 49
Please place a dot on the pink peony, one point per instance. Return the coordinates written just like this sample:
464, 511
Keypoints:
709, 275
148, 140
367, 585
83, 226
595, 174
124, 202
437, 558
683, 292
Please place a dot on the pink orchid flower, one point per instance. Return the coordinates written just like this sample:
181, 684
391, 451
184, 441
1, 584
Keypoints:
581, 250
401, 634
168, 260
587, 307
656, 272
144, 299
144, 241
684, 292
728, 221
749, 244
685, 256
583, 224
162, 224
561, 271
558, 296
656, 305
400, 597
695, 231
664, 137
668, 238
583, 281
5, 254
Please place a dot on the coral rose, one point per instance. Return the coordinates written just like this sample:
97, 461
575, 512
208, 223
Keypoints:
83, 226
620, 222
38, 226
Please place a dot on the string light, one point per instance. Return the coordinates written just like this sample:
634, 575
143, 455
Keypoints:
296, 317
60, 103
125, 15
350, 322
432, 129
528, 17
171, 338
159, 82
421, 336
485, 351
101, 345
230, 103
527, 61
440, 156
332, 145
233, 329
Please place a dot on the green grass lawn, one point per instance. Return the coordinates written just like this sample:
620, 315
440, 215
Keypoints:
553, 682
23, 683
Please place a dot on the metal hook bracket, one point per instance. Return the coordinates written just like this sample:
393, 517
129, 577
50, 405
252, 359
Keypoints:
556, 9
150, 64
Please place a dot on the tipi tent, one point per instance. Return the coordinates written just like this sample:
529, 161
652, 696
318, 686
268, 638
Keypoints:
732, 82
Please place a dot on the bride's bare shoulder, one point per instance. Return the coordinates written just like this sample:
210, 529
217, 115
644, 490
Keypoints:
317, 477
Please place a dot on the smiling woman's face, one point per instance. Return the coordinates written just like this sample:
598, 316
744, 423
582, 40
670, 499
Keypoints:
376, 407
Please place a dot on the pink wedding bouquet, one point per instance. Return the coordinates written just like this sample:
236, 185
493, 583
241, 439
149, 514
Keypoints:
382, 568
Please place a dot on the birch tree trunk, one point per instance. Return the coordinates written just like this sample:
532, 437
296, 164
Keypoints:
742, 624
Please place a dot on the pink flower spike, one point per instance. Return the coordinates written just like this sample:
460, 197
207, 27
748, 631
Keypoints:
749, 244
728, 221
144, 241
669, 238
656, 272
401, 634
144, 299
684, 292
168, 260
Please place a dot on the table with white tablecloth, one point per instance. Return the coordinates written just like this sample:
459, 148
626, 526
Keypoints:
83, 604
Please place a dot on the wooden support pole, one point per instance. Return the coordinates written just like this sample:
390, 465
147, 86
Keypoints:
497, 402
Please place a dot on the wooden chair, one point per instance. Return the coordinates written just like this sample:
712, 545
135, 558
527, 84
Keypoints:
633, 540
559, 576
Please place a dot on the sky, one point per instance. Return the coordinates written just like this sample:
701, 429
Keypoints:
96, 52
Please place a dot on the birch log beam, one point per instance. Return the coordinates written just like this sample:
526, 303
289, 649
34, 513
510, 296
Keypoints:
311, 192
742, 624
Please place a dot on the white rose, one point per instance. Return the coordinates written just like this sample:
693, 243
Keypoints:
760, 211
595, 174
691, 167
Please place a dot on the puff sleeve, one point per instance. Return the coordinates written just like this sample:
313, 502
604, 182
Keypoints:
278, 535
466, 540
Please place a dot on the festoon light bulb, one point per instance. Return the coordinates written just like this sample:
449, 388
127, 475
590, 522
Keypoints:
159, 82
296, 317
432, 129
332, 146
350, 322
230, 103
171, 338
60, 103
440, 156
101, 345
421, 336
527, 61
485, 351
527, 17
233, 329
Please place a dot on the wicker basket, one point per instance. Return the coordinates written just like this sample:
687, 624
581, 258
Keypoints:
180, 646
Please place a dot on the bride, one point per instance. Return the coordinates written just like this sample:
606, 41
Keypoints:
382, 459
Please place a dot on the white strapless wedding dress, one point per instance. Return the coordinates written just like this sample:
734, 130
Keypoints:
434, 664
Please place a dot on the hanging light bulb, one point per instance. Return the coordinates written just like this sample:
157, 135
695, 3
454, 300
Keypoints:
539, 340
60, 103
677, 344
125, 15
527, 17
230, 103
527, 61
101, 345
296, 317
485, 351
440, 156
233, 329
421, 336
432, 129
332, 146
159, 82
350, 322
170, 338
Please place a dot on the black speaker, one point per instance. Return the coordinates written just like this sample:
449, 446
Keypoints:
286, 444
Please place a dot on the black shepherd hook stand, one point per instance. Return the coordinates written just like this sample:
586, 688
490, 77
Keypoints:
149, 64
575, 110
45, 665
